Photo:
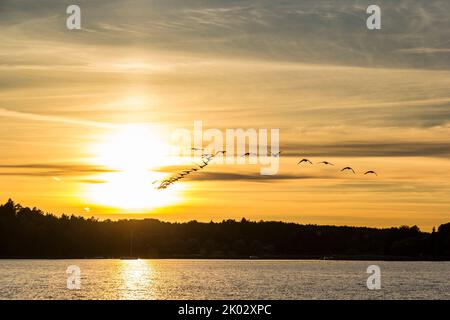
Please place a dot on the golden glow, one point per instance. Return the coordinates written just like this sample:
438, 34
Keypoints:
132, 148
132, 152
134, 274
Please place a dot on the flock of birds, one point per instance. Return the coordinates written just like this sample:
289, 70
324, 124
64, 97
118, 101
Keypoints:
207, 157
330, 164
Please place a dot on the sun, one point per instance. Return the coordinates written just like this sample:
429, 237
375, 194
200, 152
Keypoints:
132, 148
131, 153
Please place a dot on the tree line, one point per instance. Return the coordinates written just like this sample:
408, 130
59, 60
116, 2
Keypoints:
31, 233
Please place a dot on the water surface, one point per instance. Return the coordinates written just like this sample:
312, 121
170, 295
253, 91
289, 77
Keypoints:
222, 279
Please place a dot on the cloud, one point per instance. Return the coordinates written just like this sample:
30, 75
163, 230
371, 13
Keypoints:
227, 176
301, 31
51, 170
369, 149
92, 181
424, 50
47, 118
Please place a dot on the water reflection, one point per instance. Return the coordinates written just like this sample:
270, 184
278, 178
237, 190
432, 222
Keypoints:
137, 276
222, 279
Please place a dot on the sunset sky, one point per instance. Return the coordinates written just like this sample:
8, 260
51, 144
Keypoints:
86, 116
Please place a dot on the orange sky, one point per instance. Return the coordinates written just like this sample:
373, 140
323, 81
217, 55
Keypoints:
86, 116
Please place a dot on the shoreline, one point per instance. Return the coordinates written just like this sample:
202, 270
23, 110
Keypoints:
262, 258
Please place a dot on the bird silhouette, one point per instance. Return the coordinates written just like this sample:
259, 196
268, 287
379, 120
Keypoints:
348, 168
327, 163
206, 158
371, 171
249, 154
276, 154
304, 160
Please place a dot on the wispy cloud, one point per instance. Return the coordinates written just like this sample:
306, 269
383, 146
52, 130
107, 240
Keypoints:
370, 149
424, 50
50, 118
227, 176
331, 32
51, 169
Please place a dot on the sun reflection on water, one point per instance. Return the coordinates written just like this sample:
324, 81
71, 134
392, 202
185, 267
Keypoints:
137, 277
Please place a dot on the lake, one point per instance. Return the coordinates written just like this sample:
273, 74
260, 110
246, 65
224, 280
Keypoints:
223, 279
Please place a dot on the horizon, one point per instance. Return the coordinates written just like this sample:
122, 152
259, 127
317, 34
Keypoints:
76, 237
130, 218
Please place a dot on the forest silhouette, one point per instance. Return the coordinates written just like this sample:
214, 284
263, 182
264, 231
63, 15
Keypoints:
31, 233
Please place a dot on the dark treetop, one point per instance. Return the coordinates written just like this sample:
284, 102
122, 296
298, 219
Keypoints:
29, 233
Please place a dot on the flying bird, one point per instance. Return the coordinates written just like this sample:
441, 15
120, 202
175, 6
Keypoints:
276, 154
249, 154
348, 168
304, 160
222, 152
206, 158
327, 163
207, 155
197, 149
371, 171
